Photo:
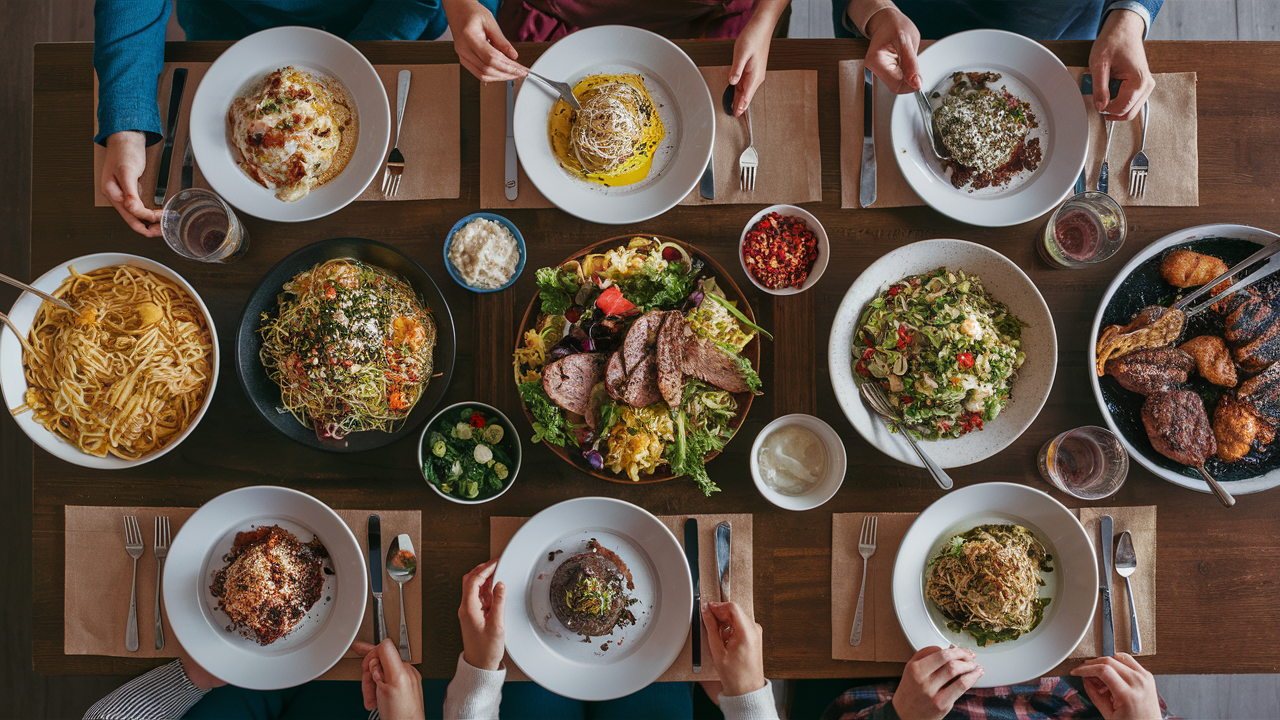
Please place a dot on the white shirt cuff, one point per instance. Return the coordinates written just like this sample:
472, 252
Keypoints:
474, 693
758, 705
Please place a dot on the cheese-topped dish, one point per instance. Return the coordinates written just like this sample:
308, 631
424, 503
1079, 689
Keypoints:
613, 138
270, 582
294, 131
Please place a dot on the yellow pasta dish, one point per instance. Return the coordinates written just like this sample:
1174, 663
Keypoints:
125, 373
613, 138
294, 131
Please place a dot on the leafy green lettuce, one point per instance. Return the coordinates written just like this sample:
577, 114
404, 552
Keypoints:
657, 287
548, 422
556, 288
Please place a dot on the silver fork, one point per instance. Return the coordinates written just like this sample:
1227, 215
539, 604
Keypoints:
1139, 165
866, 548
133, 545
161, 547
749, 160
879, 403
395, 161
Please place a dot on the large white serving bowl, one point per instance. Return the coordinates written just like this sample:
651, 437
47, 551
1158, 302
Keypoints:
317, 643
1132, 436
1005, 282
678, 90
556, 658
1072, 586
1033, 73
256, 56
14, 383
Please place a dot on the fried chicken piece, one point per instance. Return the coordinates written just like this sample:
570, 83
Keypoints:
1151, 371
1213, 361
1236, 429
1178, 427
1184, 269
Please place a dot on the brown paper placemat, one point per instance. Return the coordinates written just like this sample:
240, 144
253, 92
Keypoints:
784, 116
882, 637
430, 137
98, 573
493, 154
1171, 137
501, 529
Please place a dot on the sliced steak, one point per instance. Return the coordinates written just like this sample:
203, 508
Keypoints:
641, 338
568, 381
668, 352
642, 385
615, 377
1178, 427
710, 363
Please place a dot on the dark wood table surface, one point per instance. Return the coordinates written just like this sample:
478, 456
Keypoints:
1217, 574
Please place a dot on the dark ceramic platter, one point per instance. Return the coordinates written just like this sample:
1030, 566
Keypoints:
264, 393
1146, 287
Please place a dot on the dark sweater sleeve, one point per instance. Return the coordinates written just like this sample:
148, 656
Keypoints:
401, 20
128, 55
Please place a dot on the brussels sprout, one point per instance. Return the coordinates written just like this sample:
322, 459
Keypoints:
470, 489
438, 449
482, 454
493, 433
501, 471
462, 431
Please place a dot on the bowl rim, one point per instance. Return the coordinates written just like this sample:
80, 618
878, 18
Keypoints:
510, 427
819, 265
520, 247
797, 418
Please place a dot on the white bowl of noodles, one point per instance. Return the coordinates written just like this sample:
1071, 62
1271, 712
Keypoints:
13, 381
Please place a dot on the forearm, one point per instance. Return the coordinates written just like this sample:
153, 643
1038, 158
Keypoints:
1146, 10
858, 13
128, 55
160, 694
765, 14
474, 694
758, 705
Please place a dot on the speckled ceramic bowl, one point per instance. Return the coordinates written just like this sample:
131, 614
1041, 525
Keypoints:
1006, 283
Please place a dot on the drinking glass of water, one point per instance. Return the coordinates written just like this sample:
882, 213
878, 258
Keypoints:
199, 225
1088, 228
1088, 462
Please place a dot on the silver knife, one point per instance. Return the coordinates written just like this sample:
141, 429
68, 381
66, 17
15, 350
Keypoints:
867, 181
187, 166
170, 130
375, 577
724, 549
707, 188
1105, 531
691, 555
512, 184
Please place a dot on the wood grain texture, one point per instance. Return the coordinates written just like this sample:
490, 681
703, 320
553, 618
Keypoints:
1216, 566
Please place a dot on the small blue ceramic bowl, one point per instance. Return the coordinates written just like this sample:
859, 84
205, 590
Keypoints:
515, 232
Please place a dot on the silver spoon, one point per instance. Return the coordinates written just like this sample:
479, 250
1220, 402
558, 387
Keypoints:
38, 293
874, 396
1126, 564
402, 565
564, 88
926, 112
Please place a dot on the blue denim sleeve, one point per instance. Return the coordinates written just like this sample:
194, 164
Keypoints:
403, 20
128, 55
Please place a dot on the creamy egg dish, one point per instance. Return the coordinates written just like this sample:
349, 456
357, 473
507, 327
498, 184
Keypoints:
294, 131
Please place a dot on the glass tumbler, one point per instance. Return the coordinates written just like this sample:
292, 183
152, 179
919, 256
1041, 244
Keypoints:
1088, 228
199, 225
1088, 463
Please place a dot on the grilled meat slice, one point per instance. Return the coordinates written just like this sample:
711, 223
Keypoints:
1212, 359
1256, 354
615, 376
568, 381
1236, 429
1262, 394
1151, 371
1248, 320
670, 377
642, 385
1178, 427
641, 338
1184, 269
710, 363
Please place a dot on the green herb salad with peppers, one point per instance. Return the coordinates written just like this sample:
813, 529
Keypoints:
945, 352
467, 454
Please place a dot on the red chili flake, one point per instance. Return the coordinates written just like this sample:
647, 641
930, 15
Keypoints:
477, 420
868, 353
780, 251
894, 290
965, 360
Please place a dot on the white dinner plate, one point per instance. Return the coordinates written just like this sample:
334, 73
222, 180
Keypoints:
14, 383
196, 554
1072, 586
1032, 73
679, 92
1005, 282
557, 658
1138, 447
257, 56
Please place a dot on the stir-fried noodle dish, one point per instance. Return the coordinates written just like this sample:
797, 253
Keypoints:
987, 582
127, 371
351, 348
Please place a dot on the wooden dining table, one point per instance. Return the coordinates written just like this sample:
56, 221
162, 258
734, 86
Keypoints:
1218, 571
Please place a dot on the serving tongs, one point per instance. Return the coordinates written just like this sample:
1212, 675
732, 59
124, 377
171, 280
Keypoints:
1266, 252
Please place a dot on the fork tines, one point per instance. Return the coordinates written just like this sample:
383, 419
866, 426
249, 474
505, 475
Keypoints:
1137, 182
870, 524
748, 180
391, 176
132, 532
162, 537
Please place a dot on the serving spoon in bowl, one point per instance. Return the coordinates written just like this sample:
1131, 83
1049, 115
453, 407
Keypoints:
875, 397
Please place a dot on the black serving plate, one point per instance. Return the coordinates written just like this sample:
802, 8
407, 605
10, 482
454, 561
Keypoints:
264, 393
1145, 286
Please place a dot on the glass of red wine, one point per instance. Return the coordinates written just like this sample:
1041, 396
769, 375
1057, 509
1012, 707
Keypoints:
1088, 228
199, 225
1088, 462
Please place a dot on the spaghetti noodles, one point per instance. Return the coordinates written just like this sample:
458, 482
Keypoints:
128, 371
613, 138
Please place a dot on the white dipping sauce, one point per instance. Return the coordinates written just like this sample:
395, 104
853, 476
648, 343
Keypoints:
792, 460
484, 253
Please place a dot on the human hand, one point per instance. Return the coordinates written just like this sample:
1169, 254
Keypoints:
125, 163
388, 683
1120, 688
751, 53
1118, 53
198, 676
483, 632
737, 647
933, 680
894, 44
481, 46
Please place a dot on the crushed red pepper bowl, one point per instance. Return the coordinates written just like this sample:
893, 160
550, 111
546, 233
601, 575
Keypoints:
819, 264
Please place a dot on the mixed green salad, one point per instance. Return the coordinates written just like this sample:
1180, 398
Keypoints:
468, 454
944, 351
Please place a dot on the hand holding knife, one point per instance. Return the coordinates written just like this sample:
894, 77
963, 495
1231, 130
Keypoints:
375, 577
